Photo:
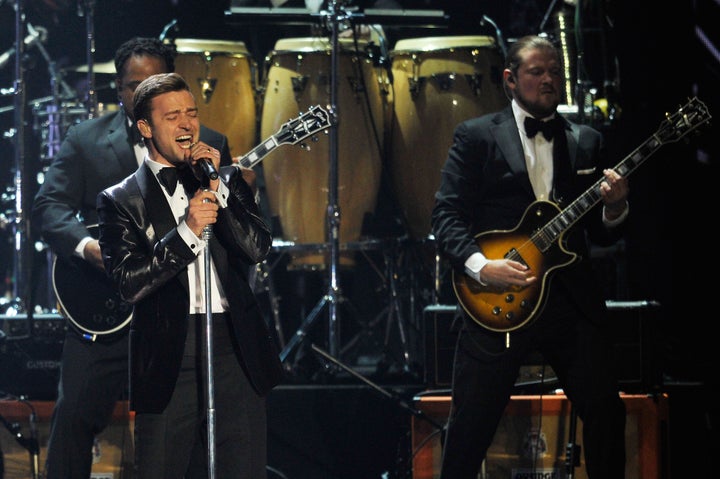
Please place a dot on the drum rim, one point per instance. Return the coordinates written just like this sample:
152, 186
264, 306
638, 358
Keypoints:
199, 45
314, 44
432, 44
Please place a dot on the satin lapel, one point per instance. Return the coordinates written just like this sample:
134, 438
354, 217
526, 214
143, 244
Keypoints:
160, 215
120, 144
507, 137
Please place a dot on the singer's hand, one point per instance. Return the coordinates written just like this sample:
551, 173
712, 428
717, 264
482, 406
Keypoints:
202, 211
201, 151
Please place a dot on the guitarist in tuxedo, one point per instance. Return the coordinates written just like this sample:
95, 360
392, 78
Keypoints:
497, 166
95, 154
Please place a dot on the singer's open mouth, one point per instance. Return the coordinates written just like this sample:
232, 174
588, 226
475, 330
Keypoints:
185, 141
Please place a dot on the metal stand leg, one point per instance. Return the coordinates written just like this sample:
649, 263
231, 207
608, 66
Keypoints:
264, 281
572, 453
394, 311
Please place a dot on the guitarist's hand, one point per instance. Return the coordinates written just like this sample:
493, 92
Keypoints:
503, 273
92, 254
614, 192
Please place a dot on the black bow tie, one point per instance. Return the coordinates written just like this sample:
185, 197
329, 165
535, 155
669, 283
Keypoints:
548, 128
168, 177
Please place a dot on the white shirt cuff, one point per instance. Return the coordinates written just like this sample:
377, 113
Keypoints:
474, 264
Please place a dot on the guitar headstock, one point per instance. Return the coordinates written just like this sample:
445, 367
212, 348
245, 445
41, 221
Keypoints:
312, 121
688, 118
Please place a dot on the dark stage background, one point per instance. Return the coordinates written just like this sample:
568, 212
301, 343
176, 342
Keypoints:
644, 58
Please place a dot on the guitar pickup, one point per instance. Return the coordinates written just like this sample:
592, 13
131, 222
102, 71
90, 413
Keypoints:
515, 256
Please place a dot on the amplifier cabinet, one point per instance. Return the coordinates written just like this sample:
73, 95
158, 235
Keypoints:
532, 438
30, 355
112, 455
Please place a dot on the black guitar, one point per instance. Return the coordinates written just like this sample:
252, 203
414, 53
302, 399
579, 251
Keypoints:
86, 296
537, 241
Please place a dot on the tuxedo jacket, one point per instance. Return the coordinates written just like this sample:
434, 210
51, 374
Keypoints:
485, 186
95, 154
147, 259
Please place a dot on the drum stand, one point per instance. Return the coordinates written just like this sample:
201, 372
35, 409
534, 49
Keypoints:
263, 280
392, 312
335, 15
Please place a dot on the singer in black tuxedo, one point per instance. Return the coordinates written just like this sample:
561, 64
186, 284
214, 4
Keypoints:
95, 154
496, 167
153, 244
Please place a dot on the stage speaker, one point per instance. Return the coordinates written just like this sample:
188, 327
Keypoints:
633, 334
439, 344
440, 338
112, 453
532, 437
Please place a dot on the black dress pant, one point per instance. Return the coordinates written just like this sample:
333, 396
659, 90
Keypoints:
93, 377
173, 444
485, 372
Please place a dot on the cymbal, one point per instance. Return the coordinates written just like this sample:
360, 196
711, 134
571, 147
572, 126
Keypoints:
105, 67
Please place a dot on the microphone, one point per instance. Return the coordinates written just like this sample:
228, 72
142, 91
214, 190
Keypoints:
208, 168
35, 33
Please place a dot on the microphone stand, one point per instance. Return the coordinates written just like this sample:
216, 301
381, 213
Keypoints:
382, 391
209, 384
333, 207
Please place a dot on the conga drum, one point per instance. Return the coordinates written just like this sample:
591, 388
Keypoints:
222, 76
437, 83
297, 180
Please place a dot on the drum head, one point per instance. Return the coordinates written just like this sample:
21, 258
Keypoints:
192, 45
222, 77
437, 83
412, 45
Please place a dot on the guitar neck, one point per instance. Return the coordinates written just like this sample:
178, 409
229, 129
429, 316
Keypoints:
293, 132
548, 234
255, 156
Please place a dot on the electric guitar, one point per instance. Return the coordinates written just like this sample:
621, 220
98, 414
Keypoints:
537, 241
86, 296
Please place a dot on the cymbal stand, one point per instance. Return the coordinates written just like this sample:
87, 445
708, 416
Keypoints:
88, 10
20, 226
334, 16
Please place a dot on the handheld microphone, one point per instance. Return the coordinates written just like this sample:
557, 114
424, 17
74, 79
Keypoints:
208, 168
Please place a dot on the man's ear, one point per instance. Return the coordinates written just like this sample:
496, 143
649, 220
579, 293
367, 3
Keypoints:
144, 128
